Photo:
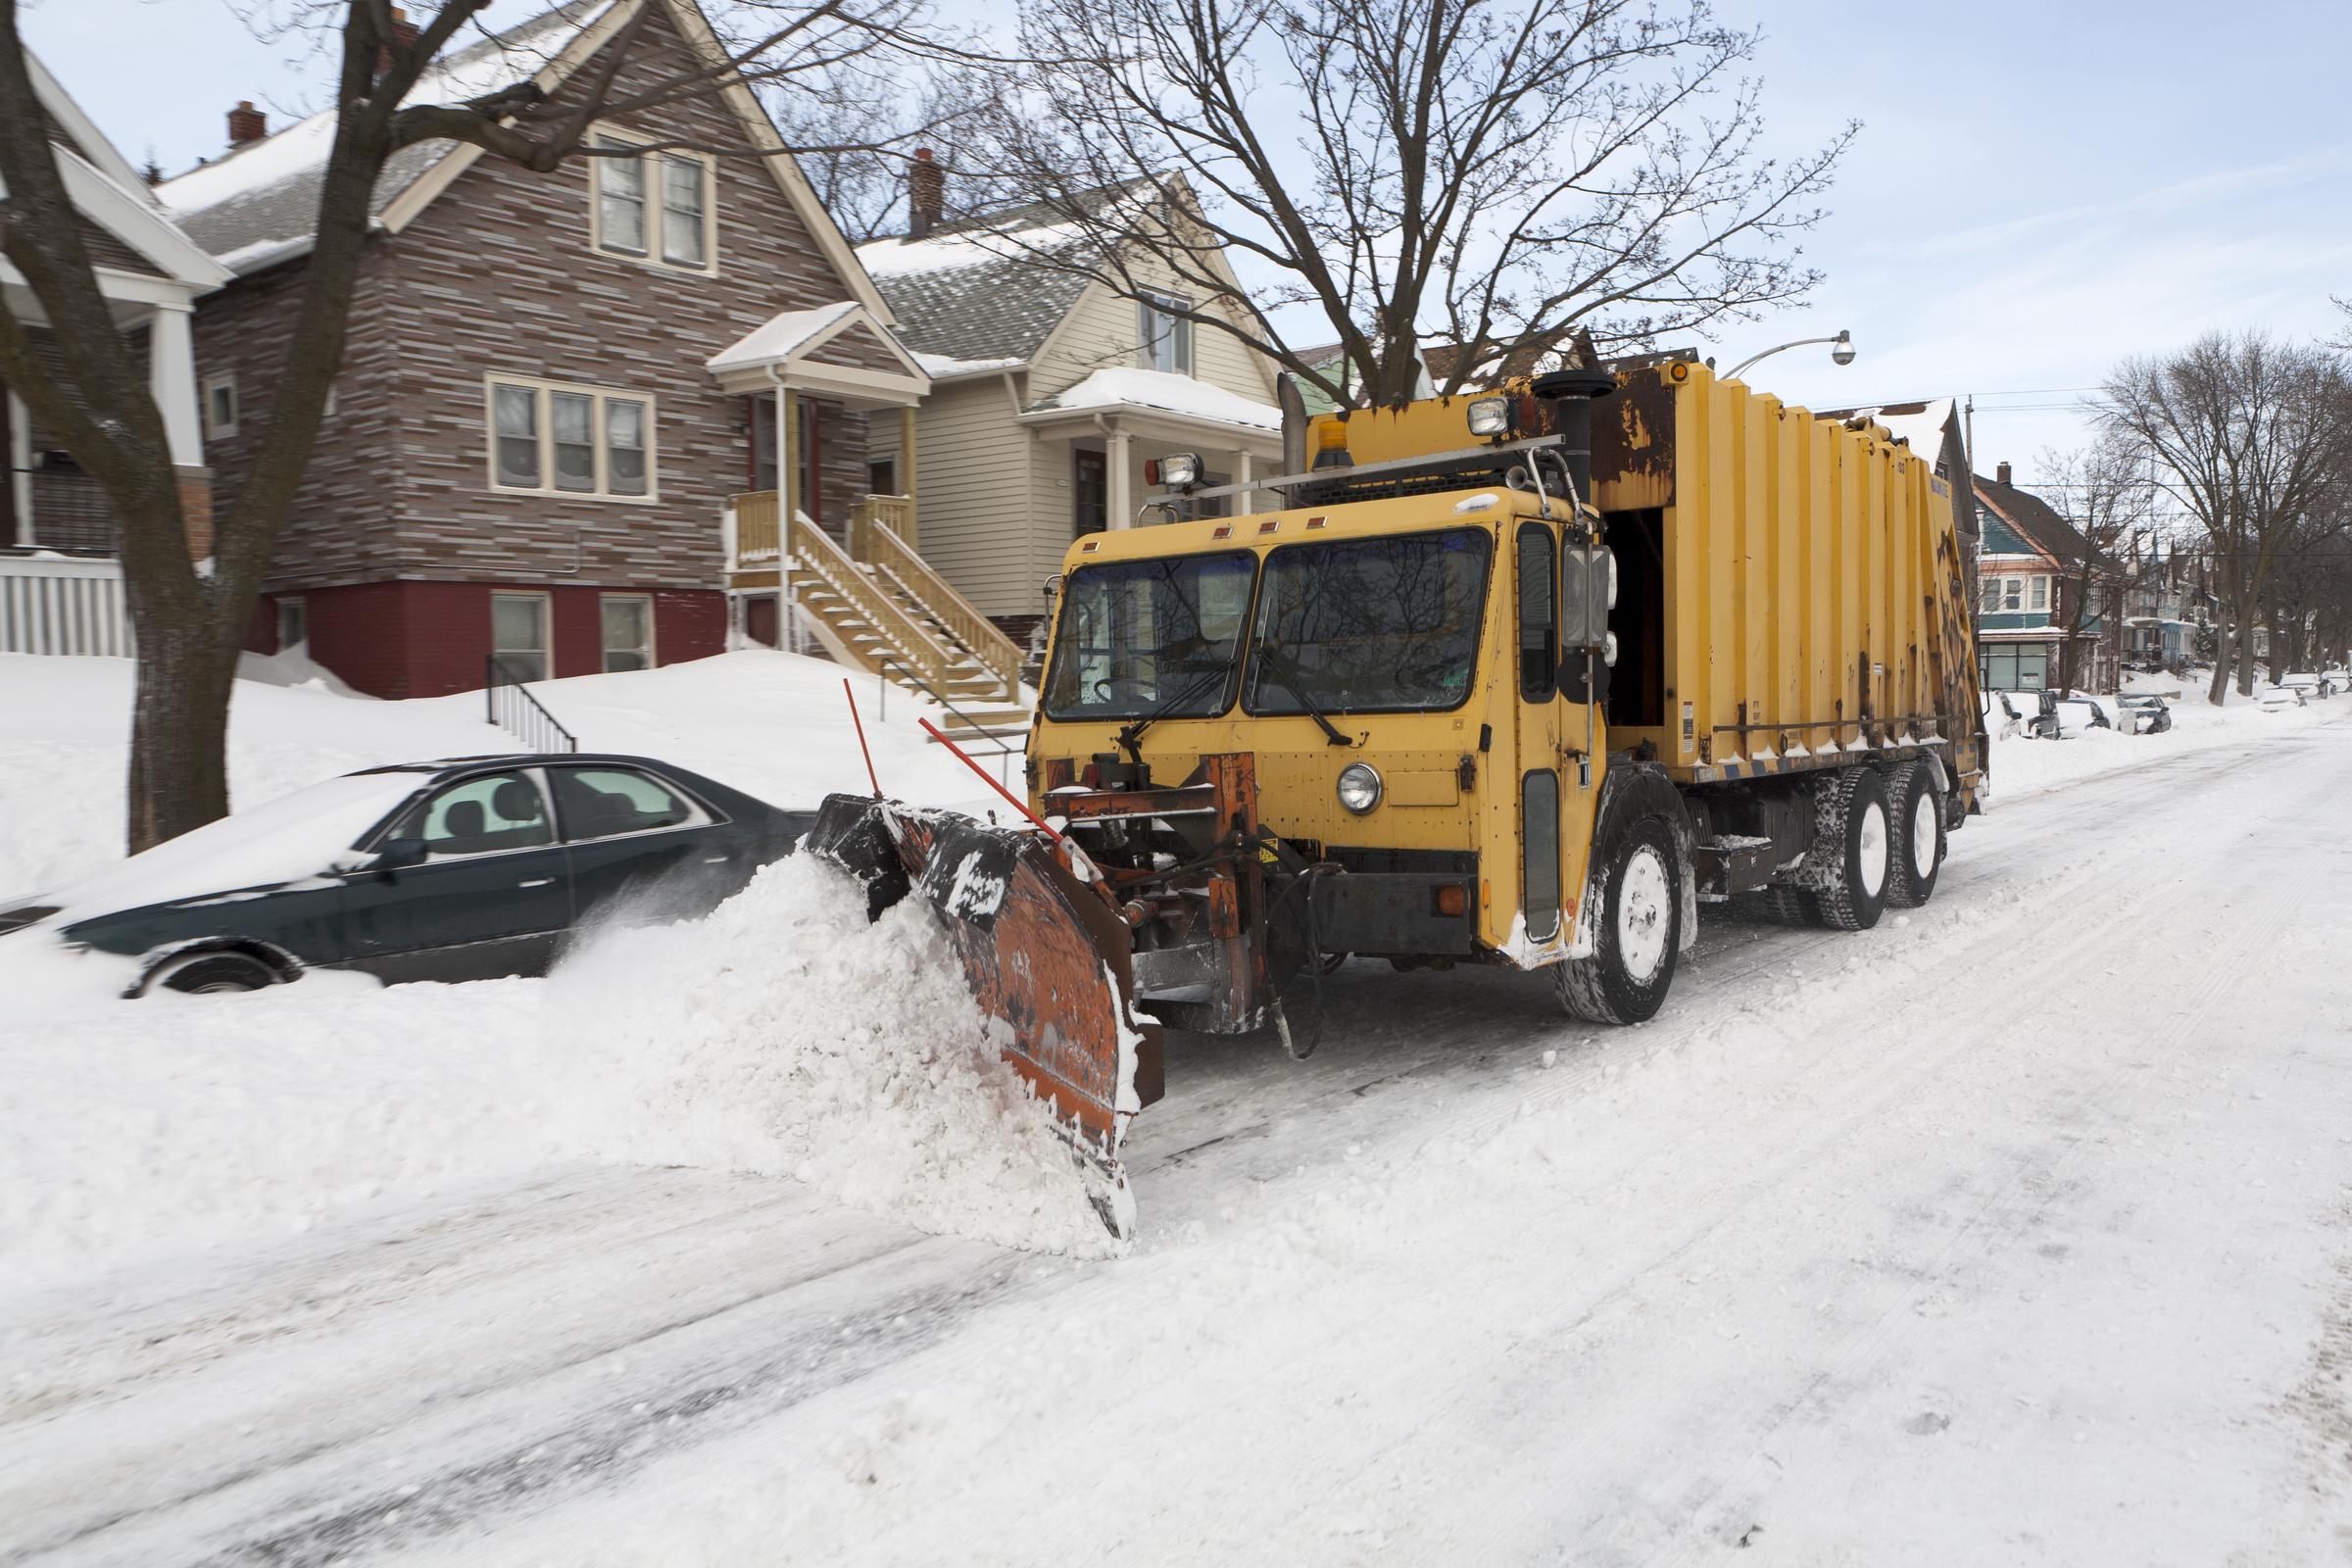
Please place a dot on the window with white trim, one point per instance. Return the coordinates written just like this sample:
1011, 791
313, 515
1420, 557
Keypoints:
628, 626
1166, 335
2013, 592
221, 405
655, 207
2041, 593
518, 634
553, 438
1990, 597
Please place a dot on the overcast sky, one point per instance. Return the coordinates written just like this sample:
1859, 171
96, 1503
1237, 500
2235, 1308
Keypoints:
2041, 186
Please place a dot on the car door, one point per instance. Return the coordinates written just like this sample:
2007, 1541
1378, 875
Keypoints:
490, 898
633, 838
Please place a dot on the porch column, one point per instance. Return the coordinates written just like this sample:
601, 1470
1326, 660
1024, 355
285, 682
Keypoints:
914, 533
1243, 474
1121, 503
171, 382
788, 500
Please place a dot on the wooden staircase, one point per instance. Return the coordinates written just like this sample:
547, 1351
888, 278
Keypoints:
875, 605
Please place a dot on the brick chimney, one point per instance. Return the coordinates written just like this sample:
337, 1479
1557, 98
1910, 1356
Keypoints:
927, 191
404, 31
2001, 474
246, 124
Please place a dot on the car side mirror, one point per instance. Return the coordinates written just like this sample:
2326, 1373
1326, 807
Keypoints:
397, 855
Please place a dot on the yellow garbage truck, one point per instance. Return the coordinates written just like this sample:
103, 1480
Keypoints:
1536, 677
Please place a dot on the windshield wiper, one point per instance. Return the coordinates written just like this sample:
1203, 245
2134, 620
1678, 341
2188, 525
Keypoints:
1269, 654
1130, 735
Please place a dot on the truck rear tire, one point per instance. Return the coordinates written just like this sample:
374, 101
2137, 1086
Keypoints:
1636, 932
1915, 822
1851, 860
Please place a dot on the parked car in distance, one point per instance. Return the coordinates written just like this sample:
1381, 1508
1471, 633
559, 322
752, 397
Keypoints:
2082, 713
2031, 713
2312, 685
2149, 714
2275, 697
461, 869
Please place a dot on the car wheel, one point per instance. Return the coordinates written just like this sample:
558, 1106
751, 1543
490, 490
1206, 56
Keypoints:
1916, 826
203, 973
1637, 933
1849, 867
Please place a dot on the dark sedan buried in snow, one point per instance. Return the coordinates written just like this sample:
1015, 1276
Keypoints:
461, 869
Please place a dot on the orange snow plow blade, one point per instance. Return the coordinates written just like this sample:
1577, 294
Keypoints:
1046, 956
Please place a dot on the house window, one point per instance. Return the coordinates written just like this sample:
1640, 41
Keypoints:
654, 207
518, 634
1990, 598
554, 439
1167, 337
220, 407
1090, 492
2041, 593
2013, 592
293, 622
628, 631
882, 477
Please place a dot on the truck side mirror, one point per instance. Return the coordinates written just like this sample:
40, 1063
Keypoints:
1588, 593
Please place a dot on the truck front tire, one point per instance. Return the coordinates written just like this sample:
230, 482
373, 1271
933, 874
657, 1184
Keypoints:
1852, 859
1637, 925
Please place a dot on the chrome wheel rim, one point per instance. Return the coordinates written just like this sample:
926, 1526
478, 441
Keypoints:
1644, 914
1872, 846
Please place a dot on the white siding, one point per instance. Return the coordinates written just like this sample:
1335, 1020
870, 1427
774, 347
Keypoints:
1102, 330
971, 482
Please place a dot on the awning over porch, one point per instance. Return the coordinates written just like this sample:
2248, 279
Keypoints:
839, 351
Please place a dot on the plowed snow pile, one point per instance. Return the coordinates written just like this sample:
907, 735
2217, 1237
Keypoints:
785, 1035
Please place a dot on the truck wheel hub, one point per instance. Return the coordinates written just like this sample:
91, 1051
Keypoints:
1871, 848
1644, 914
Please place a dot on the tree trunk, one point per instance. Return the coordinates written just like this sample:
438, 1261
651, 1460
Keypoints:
2217, 691
2248, 608
179, 731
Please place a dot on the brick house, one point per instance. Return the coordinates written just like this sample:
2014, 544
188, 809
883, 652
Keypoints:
554, 384
60, 586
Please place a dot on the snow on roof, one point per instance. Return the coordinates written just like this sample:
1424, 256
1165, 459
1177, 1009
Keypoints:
780, 335
266, 193
1126, 387
942, 367
966, 247
1923, 429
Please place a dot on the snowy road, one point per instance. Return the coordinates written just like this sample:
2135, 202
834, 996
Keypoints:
2020, 1230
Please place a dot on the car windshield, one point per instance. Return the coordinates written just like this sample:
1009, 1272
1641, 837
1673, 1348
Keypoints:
1366, 625
1138, 637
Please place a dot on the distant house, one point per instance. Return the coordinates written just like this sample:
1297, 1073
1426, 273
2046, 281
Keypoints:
152, 275
1049, 393
2163, 609
557, 386
2028, 566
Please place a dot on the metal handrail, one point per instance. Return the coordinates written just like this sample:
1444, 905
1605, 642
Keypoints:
528, 721
978, 733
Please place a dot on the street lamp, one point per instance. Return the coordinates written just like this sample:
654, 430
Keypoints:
1841, 352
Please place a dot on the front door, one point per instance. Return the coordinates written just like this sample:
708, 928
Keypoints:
1089, 491
491, 897
759, 620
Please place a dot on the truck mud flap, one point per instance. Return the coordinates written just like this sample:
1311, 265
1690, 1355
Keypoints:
1044, 953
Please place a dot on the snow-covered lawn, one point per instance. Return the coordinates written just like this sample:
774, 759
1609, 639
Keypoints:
2012, 1231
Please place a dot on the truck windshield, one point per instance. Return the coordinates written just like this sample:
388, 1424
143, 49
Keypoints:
1159, 637
1363, 626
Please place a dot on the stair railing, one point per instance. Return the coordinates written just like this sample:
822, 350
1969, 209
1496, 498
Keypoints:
874, 542
814, 550
512, 707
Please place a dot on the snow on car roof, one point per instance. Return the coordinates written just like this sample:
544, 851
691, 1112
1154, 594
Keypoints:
284, 840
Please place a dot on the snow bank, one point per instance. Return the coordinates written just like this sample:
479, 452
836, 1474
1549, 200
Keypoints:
176, 1122
2023, 768
785, 1035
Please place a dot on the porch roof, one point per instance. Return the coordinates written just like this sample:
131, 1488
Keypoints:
1161, 396
839, 350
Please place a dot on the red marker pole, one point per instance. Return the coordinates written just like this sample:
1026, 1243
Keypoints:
1017, 803
861, 746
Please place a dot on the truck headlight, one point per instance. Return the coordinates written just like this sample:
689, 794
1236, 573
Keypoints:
1359, 787
1490, 416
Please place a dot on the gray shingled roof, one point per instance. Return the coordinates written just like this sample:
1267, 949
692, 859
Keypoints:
285, 210
1000, 308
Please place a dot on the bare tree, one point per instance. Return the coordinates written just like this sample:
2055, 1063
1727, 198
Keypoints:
2251, 436
864, 188
189, 617
2104, 490
1491, 174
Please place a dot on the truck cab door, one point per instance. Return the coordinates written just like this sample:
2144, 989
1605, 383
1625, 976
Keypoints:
1535, 577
